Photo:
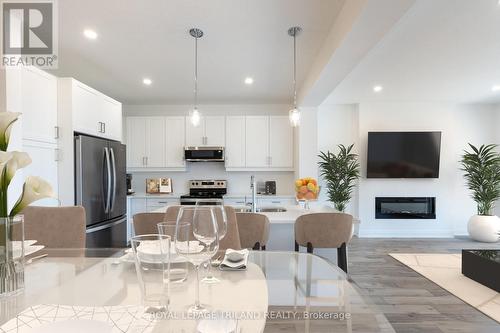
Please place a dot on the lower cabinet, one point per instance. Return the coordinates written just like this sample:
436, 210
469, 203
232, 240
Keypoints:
137, 205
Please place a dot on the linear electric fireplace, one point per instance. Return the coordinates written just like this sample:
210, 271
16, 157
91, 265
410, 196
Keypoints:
405, 208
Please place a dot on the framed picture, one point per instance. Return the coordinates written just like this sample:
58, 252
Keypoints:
159, 185
152, 186
165, 185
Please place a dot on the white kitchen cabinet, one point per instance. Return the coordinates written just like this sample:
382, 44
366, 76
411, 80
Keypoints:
257, 141
155, 143
280, 142
44, 158
235, 142
136, 142
95, 113
175, 139
39, 105
209, 132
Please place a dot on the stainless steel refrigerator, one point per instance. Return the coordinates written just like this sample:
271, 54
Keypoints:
101, 187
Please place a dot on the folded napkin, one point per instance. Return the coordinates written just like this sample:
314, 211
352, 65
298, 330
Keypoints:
241, 265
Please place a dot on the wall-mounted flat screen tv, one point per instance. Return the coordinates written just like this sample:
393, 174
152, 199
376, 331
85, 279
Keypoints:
403, 154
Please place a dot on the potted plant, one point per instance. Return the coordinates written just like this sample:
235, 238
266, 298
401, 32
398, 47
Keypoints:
341, 173
34, 188
481, 168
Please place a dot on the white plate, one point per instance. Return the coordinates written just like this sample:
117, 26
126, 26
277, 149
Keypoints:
29, 248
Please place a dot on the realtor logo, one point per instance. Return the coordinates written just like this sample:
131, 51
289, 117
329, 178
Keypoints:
29, 34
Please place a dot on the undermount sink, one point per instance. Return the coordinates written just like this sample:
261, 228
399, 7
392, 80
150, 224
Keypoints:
261, 210
271, 210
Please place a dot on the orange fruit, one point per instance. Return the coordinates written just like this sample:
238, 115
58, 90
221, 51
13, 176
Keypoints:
303, 189
310, 196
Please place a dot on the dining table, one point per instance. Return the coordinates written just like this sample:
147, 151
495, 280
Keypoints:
96, 290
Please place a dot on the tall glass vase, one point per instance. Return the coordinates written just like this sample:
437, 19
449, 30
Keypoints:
11, 255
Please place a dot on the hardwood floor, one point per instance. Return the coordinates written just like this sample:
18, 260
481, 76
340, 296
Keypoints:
410, 302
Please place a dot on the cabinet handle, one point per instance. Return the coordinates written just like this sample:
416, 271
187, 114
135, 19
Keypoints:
162, 202
270, 160
56, 155
56, 132
104, 127
276, 202
240, 202
143, 160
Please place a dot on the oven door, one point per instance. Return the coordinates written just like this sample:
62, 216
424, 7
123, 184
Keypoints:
204, 154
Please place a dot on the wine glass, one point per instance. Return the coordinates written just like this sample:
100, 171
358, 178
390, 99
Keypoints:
221, 219
196, 240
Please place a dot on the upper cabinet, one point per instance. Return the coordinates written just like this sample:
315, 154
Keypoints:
259, 143
95, 113
209, 132
235, 142
155, 143
38, 105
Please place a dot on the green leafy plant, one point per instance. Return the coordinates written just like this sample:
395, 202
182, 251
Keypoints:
481, 168
341, 173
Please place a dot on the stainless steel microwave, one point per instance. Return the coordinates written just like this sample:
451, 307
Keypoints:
204, 154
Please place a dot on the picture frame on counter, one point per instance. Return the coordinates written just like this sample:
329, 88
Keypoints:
159, 185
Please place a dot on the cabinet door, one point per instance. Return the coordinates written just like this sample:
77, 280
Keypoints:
215, 131
136, 142
112, 118
39, 105
175, 137
155, 142
257, 141
235, 142
280, 142
44, 165
195, 134
87, 108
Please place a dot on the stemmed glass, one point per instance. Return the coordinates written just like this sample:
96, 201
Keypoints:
221, 219
196, 240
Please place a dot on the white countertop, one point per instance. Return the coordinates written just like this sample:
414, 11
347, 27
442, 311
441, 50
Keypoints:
265, 196
153, 196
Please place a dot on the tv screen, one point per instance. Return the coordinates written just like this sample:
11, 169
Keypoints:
403, 154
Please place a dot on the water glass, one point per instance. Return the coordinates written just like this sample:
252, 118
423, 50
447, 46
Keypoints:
178, 264
151, 254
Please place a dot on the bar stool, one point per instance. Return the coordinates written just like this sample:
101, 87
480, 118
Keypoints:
254, 230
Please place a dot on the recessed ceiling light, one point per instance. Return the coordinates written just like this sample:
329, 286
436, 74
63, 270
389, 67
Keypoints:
495, 87
147, 81
249, 80
378, 89
90, 34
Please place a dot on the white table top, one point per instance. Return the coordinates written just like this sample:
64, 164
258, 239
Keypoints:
276, 285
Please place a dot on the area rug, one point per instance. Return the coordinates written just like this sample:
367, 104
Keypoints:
445, 271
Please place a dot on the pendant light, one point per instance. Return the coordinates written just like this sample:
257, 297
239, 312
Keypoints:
194, 114
294, 114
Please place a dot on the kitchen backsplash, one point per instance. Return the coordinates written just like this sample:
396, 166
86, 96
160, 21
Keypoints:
238, 182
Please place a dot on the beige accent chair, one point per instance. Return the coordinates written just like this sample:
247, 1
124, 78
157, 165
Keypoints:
325, 230
146, 223
56, 227
232, 238
254, 230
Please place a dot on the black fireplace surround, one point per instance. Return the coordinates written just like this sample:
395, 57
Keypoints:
405, 208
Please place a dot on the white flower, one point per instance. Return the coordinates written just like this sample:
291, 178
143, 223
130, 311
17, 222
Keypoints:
6, 121
10, 162
34, 189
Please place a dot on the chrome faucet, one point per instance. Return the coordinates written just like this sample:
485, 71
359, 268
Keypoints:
253, 187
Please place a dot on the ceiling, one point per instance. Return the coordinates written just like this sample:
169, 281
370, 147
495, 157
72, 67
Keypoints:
446, 50
149, 38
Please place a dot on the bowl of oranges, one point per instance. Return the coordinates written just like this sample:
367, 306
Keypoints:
307, 189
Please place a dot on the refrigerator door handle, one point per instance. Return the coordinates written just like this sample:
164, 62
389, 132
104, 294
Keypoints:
106, 226
108, 189
113, 195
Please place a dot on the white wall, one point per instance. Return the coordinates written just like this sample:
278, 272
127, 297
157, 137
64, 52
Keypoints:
497, 141
238, 182
459, 125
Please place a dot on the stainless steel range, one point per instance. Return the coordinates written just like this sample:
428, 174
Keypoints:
204, 189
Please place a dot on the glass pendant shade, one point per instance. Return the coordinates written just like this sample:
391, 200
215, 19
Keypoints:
195, 117
294, 116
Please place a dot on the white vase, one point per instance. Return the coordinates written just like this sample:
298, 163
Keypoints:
484, 228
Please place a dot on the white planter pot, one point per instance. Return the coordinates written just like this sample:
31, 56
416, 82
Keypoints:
484, 228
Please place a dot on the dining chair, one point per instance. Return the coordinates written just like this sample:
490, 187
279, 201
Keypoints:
325, 230
146, 223
254, 230
56, 227
232, 238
